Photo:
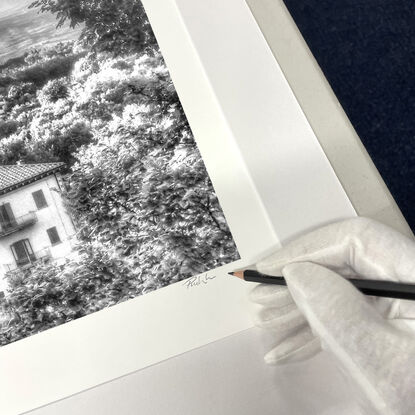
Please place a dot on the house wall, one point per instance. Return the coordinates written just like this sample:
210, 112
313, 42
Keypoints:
54, 214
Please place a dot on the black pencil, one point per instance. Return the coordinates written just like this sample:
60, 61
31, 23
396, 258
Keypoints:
377, 288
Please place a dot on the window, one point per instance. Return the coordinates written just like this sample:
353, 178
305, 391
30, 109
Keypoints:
22, 252
39, 199
7, 219
53, 236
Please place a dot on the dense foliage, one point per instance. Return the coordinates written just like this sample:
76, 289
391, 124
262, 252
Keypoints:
116, 26
136, 186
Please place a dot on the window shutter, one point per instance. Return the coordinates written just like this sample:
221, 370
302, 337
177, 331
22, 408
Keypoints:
6, 215
53, 235
22, 252
39, 198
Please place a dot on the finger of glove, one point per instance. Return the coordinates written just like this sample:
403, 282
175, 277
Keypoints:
376, 355
357, 246
282, 320
406, 309
298, 347
273, 295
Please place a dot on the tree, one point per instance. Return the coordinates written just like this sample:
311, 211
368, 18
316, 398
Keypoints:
55, 89
115, 26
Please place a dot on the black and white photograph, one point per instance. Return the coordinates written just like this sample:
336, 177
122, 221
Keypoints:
104, 195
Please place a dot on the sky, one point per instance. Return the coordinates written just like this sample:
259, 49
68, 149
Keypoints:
22, 28
7, 6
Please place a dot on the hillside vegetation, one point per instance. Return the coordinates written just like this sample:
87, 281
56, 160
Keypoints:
135, 185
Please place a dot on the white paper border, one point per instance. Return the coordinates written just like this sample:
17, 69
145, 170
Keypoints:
268, 171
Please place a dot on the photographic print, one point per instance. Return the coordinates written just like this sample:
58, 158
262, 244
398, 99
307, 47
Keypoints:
104, 195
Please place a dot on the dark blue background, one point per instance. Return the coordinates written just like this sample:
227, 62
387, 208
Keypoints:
366, 50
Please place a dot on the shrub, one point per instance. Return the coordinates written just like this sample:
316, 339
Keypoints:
48, 295
63, 146
13, 151
54, 90
7, 128
42, 72
21, 93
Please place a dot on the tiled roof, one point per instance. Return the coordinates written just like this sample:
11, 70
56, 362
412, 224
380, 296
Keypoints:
13, 176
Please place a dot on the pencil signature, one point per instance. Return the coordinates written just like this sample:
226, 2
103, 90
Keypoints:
198, 280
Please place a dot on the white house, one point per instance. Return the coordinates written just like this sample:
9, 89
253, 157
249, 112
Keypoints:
34, 225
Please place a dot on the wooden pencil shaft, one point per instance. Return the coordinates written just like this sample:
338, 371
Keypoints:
377, 288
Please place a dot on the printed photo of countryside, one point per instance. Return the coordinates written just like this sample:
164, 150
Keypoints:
104, 195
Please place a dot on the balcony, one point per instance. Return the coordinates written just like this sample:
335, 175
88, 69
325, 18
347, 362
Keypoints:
30, 260
21, 222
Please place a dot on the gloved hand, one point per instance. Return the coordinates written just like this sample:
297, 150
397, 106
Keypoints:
369, 336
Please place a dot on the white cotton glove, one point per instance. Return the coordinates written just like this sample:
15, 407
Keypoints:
370, 337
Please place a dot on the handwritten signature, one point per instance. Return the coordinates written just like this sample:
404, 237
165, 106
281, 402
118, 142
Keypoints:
199, 280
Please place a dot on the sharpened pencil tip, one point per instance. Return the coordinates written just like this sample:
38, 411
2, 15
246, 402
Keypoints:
239, 274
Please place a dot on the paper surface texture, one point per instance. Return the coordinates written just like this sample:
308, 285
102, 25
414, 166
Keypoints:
227, 377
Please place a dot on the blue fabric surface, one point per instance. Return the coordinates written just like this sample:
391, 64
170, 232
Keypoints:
366, 49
